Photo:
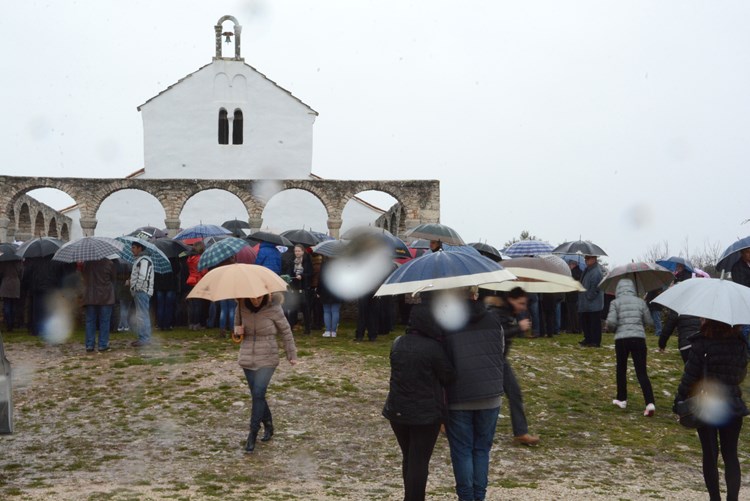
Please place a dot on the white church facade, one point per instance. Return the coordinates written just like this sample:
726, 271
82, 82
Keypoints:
226, 120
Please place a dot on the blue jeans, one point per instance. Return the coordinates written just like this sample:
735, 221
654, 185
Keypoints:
258, 381
9, 312
165, 303
656, 316
124, 309
331, 316
103, 313
470, 435
534, 312
142, 316
226, 313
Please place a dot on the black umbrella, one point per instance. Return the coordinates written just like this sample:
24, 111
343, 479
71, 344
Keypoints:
39, 247
580, 247
8, 253
436, 231
271, 238
487, 250
171, 248
420, 243
236, 226
303, 237
148, 233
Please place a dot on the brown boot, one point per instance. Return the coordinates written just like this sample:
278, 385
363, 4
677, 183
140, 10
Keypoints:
526, 439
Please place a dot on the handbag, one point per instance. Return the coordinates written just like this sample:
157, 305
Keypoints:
688, 409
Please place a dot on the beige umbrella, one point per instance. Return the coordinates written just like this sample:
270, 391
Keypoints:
538, 275
237, 281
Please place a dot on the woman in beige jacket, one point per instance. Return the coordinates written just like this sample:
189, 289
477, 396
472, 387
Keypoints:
259, 320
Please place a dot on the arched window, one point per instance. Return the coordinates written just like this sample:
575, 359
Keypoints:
237, 127
223, 127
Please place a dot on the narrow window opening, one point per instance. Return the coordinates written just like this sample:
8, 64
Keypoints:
237, 127
223, 127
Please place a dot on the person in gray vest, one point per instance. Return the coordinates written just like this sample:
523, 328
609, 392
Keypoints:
142, 287
591, 303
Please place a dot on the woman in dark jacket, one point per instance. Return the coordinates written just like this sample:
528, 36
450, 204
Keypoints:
416, 401
300, 270
720, 353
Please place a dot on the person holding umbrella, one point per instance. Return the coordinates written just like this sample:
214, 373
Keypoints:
11, 272
719, 355
741, 275
591, 303
99, 279
258, 322
627, 316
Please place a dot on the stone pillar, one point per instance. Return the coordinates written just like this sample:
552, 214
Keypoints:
255, 223
334, 225
4, 223
173, 226
411, 223
88, 226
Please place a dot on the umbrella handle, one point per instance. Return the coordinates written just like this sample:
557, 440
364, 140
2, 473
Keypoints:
237, 338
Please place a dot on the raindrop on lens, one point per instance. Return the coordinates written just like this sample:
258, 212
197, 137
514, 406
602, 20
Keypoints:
450, 310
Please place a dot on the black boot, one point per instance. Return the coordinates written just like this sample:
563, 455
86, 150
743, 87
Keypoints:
251, 438
267, 431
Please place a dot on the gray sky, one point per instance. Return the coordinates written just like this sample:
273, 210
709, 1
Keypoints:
625, 123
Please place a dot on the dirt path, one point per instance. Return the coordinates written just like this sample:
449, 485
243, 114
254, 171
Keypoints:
169, 423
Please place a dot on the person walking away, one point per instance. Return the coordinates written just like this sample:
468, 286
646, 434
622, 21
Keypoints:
142, 288
476, 351
687, 327
628, 315
591, 303
196, 306
99, 278
507, 308
415, 405
10, 290
741, 275
719, 353
258, 322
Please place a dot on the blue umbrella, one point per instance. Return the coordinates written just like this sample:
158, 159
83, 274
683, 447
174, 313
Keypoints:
220, 252
671, 263
528, 248
160, 260
732, 254
444, 270
201, 231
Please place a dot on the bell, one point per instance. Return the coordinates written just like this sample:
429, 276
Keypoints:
228, 35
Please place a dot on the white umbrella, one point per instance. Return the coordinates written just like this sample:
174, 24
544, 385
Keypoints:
713, 298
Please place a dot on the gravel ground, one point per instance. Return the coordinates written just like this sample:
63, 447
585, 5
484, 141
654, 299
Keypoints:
169, 423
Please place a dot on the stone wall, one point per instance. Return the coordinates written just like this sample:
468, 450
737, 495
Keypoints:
29, 218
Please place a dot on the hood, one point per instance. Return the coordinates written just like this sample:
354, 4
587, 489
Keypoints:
625, 287
422, 320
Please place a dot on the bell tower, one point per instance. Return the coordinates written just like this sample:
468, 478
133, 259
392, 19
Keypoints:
228, 37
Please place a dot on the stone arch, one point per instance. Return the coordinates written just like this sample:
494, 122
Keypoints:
52, 229
21, 186
368, 207
39, 226
310, 212
64, 233
24, 221
198, 208
146, 210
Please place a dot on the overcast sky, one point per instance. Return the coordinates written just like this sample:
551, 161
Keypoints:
625, 123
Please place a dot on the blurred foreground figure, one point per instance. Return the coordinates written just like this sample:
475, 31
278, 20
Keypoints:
416, 401
718, 356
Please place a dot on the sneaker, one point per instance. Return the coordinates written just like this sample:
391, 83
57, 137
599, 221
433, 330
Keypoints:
326, 334
650, 409
620, 403
104, 348
526, 439
333, 334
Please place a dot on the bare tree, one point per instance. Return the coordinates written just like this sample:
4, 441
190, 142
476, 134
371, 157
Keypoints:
525, 235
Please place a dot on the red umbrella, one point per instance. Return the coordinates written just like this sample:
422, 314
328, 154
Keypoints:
247, 255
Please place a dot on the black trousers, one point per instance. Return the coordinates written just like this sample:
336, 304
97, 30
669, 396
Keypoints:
417, 443
571, 310
636, 348
515, 401
728, 436
368, 318
591, 323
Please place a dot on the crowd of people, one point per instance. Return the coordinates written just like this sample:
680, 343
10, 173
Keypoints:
441, 377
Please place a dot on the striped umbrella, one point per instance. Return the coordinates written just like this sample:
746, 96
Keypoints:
87, 249
158, 258
220, 252
528, 248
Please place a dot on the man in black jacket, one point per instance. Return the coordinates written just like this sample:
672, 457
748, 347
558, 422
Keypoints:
741, 275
